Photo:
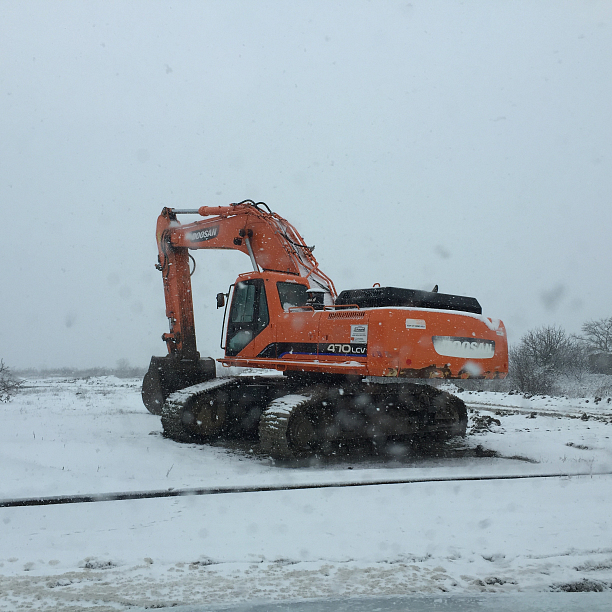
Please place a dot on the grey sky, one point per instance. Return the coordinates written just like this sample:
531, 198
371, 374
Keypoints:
464, 144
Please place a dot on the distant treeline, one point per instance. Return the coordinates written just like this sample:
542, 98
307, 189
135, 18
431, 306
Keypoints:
120, 372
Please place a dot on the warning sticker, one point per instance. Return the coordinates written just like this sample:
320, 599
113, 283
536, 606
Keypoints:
359, 334
415, 324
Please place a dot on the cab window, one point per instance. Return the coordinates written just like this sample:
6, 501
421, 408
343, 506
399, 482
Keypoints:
292, 295
248, 315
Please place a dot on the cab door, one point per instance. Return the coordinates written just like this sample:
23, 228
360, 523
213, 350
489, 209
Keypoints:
248, 318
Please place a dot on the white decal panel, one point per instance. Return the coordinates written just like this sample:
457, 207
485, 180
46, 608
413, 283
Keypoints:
415, 324
359, 334
470, 348
204, 234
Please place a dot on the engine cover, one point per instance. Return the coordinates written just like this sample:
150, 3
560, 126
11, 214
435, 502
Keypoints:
381, 297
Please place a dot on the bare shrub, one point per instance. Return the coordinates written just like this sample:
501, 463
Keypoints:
528, 376
577, 361
549, 347
9, 385
542, 356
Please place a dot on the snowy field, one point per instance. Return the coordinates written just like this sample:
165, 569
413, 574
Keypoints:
80, 436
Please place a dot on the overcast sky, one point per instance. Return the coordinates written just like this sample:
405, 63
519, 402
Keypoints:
464, 144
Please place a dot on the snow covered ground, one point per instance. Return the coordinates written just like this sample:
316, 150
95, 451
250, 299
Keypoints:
79, 436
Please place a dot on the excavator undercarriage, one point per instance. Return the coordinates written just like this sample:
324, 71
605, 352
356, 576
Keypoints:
293, 419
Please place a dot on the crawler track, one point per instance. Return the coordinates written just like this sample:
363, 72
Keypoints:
287, 428
296, 421
196, 412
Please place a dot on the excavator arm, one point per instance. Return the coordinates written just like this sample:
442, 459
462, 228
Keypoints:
270, 241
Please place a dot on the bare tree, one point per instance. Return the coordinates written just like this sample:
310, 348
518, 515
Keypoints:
9, 385
597, 336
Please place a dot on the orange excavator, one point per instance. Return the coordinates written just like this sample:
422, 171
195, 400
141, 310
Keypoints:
338, 368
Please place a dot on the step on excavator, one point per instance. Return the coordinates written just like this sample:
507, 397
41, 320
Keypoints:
336, 369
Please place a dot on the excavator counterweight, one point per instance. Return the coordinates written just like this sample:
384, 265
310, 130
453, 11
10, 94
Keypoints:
348, 366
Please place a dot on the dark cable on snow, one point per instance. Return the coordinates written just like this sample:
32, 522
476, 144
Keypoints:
106, 497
